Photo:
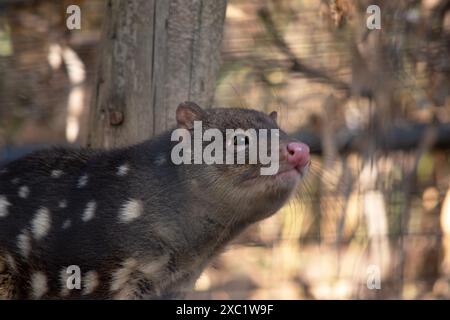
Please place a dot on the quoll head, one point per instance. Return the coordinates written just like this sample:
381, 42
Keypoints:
259, 187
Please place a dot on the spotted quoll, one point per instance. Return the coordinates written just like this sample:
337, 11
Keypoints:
136, 225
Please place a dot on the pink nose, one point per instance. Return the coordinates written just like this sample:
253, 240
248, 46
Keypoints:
298, 154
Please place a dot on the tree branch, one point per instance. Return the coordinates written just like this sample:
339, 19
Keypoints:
296, 64
406, 137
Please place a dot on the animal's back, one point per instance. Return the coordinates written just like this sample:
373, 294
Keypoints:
134, 223
61, 207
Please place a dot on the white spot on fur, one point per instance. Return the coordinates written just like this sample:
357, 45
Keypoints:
123, 169
67, 224
11, 263
62, 204
63, 277
131, 210
38, 285
4, 204
82, 182
24, 191
160, 160
56, 173
89, 211
15, 181
24, 243
91, 281
41, 223
152, 268
121, 276
125, 283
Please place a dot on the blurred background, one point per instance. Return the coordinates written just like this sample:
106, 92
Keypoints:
372, 220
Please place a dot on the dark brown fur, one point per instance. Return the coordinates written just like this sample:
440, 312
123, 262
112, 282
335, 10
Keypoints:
190, 212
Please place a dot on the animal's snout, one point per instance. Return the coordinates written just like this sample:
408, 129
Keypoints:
298, 154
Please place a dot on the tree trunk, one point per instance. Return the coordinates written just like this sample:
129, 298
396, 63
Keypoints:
154, 54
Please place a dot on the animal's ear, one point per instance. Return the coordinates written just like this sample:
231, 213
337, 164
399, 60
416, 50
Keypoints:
273, 115
187, 113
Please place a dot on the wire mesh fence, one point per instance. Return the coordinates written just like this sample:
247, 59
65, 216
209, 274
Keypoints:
368, 222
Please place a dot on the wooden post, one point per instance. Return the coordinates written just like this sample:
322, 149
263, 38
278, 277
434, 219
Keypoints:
154, 54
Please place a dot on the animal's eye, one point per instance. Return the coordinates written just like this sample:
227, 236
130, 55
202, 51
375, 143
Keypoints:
241, 140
